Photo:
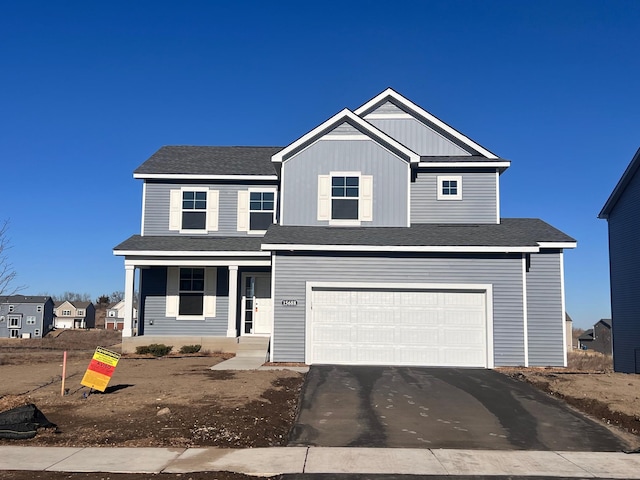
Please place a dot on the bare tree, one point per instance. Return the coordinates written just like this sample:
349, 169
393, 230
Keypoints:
7, 273
117, 296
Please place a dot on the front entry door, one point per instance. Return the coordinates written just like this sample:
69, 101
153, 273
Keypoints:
257, 304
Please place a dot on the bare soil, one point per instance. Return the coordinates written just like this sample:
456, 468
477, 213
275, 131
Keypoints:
177, 401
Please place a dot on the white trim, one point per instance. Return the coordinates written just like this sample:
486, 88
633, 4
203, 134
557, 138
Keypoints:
409, 193
487, 288
243, 297
346, 222
180, 262
346, 114
273, 298
525, 310
397, 248
233, 302
144, 204
449, 178
563, 316
388, 116
188, 176
497, 198
179, 253
280, 216
334, 136
465, 164
558, 244
390, 93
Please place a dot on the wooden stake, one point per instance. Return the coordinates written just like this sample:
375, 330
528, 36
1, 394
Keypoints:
64, 372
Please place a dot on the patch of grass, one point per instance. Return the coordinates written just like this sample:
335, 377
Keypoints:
190, 348
590, 361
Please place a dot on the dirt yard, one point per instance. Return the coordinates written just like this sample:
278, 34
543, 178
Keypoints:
180, 402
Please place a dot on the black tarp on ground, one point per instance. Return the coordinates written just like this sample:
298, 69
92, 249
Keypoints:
22, 422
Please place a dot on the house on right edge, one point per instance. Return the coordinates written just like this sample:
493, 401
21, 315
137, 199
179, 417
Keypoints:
622, 211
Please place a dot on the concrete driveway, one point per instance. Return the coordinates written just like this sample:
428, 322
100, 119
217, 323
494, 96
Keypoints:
348, 406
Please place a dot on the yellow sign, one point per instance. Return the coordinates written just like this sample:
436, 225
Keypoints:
100, 369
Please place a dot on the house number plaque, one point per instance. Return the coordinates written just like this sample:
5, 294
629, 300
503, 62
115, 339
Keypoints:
289, 303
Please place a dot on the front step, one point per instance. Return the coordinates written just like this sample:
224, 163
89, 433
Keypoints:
253, 347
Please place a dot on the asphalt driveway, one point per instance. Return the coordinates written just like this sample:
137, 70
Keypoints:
348, 406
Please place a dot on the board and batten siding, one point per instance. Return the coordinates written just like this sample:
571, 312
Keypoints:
153, 290
157, 197
624, 261
478, 204
418, 137
299, 191
292, 271
545, 319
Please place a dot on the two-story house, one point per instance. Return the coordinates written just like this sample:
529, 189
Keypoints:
75, 314
375, 238
114, 316
23, 316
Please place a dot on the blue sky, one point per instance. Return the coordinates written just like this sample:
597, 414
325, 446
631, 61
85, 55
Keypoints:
91, 89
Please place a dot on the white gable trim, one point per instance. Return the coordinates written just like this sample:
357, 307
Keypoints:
347, 115
479, 163
390, 93
558, 244
397, 248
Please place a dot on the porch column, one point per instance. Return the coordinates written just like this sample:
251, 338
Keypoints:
129, 273
233, 301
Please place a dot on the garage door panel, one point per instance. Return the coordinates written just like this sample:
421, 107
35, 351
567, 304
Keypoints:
398, 327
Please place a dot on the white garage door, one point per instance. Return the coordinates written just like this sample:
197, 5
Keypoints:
397, 327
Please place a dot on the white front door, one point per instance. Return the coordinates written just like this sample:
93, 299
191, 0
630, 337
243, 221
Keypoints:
257, 304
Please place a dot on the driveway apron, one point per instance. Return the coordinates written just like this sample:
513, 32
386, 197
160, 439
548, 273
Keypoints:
356, 406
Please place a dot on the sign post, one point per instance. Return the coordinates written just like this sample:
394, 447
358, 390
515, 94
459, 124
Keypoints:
100, 369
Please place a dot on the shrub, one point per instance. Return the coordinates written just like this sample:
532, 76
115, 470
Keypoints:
155, 349
190, 348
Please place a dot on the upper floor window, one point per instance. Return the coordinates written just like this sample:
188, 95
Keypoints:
345, 192
450, 188
111, 313
31, 320
66, 313
11, 308
261, 210
39, 308
345, 198
80, 312
14, 322
193, 210
191, 300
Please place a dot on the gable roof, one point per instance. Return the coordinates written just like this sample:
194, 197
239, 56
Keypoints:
184, 161
363, 126
620, 187
405, 104
188, 245
511, 235
24, 299
587, 336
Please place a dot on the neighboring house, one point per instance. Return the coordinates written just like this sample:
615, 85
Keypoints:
114, 317
75, 314
597, 338
622, 212
23, 316
375, 238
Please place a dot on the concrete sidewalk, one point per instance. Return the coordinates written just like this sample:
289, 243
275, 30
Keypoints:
295, 460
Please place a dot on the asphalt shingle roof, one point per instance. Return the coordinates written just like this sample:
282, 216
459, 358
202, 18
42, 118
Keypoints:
194, 160
460, 158
24, 299
190, 244
511, 232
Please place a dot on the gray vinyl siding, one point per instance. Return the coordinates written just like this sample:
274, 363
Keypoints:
299, 192
156, 211
388, 107
503, 272
545, 320
153, 289
478, 204
624, 258
418, 137
345, 129
43, 319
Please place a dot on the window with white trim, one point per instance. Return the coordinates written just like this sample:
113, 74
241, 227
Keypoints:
449, 188
111, 313
66, 313
193, 210
11, 308
39, 308
262, 208
191, 293
14, 321
31, 320
14, 333
345, 198
36, 332
80, 312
